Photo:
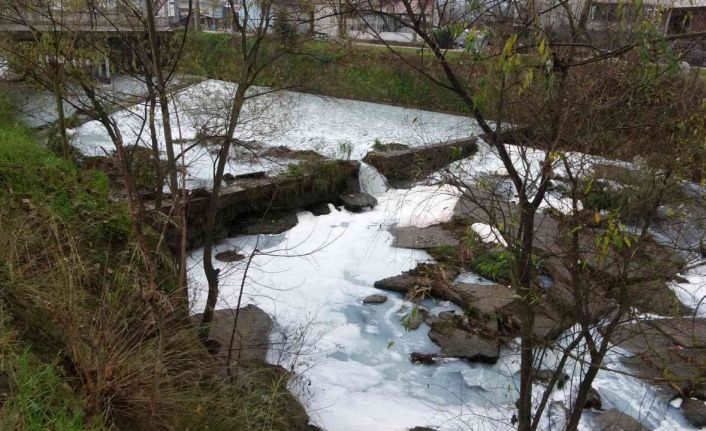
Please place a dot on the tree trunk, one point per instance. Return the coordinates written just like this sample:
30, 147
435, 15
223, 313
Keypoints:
156, 153
61, 121
209, 230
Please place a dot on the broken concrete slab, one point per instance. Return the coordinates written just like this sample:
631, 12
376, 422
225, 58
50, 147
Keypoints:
423, 238
250, 198
417, 163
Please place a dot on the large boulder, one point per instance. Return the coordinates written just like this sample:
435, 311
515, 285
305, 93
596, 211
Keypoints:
486, 299
428, 277
400, 283
357, 202
251, 337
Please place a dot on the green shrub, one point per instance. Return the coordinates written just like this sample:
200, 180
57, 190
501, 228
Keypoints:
600, 197
494, 264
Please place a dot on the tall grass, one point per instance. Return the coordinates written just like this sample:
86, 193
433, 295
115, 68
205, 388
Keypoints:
78, 339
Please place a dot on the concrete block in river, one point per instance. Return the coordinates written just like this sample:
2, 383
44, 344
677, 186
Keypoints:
417, 163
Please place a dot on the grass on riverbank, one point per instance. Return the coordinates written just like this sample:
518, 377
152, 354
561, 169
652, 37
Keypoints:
354, 71
78, 344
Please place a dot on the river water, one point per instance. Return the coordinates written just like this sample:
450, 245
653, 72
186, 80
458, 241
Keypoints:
352, 359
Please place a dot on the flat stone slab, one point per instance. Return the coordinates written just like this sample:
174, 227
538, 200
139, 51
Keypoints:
670, 353
614, 420
423, 238
487, 299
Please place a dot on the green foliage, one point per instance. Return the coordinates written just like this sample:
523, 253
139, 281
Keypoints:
600, 197
495, 264
38, 179
328, 176
141, 163
295, 170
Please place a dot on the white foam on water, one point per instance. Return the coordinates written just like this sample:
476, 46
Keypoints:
693, 292
336, 128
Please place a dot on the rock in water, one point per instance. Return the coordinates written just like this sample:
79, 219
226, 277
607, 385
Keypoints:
229, 256
398, 283
375, 299
694, 411
269, 224
545, 376
457, 341
357, 202
614, 420
423, 358
414, 319
593, 401
319, 209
